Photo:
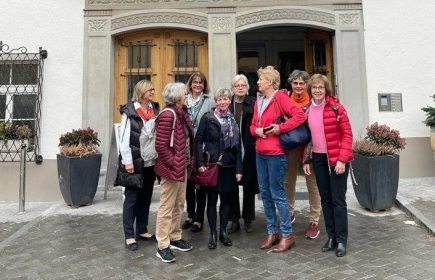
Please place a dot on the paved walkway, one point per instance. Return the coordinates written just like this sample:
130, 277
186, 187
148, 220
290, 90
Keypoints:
54, 241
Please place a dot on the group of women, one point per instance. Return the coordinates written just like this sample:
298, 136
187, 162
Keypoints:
242, 134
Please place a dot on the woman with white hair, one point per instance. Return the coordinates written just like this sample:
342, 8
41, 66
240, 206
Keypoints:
175, 153
219, 136
242, 106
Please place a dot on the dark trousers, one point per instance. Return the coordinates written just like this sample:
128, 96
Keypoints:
137, 205
332, 189
201, 200
224, 208
190, 199
248, 211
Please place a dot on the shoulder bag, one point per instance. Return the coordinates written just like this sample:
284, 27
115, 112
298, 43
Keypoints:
209, 177
299, 136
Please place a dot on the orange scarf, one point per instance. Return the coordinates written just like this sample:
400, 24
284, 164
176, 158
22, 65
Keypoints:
145, 115
302, 100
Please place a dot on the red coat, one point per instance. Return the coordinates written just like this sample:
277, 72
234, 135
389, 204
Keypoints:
271, 145
338, 132
171, 161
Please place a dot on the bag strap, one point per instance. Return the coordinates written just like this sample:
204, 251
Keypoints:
199, 109
280, 108
171, 143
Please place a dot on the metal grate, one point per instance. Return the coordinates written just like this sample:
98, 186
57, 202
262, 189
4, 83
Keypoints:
186, 59
21, 77
139, 64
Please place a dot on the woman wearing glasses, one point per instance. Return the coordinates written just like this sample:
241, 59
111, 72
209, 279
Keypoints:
330, 152
198, 102
137, 201
242, 106
300, 96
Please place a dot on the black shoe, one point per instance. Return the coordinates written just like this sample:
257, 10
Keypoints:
165, 255
213, 241
235, 226
132, 246
340, 251
225, 239
329, 245
152, 238
248, 227
180, 245
196, 228
187, 224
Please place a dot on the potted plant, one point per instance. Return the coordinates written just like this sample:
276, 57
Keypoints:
12, 135
78, 166
430, 122
375, 169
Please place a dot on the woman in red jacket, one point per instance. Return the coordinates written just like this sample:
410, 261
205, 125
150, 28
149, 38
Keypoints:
331, 152
271, 158
175, 153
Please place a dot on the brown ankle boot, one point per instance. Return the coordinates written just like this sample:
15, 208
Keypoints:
270, 240
285, 244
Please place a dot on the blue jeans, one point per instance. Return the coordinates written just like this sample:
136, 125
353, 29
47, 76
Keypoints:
271, 171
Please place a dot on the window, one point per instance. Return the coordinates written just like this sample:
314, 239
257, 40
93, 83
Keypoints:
20, 100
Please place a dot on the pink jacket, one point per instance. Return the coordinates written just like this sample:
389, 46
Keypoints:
271, 145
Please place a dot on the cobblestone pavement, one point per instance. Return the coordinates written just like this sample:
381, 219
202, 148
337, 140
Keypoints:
54, 241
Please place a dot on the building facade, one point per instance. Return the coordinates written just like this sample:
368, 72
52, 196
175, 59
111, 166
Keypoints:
97, 49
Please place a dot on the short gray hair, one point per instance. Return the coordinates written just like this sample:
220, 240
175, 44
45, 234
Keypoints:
173, 92
222, 92
296, 74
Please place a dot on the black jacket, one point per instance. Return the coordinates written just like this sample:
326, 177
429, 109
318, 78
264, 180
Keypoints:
249, 182
208, 139
136, 125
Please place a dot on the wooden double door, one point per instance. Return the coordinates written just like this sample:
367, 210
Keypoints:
161, 56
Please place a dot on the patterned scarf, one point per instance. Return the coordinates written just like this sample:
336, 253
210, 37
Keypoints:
229, 130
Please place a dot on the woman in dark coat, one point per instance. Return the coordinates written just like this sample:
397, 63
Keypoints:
218, 135
242, 106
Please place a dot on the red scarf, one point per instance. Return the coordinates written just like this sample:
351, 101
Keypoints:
145, 115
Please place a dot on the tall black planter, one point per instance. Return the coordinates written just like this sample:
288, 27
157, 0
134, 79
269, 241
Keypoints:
78, 178
375, 181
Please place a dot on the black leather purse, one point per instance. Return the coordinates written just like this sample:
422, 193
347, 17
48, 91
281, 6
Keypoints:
125, 179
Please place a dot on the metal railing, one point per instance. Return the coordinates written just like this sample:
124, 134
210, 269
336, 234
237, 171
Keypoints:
21, 77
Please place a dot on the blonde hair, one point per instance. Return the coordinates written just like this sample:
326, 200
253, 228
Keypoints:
140, 89
270, 74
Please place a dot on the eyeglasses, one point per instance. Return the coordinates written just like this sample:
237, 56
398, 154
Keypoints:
198, 83
317, 88
298, 84
239, 86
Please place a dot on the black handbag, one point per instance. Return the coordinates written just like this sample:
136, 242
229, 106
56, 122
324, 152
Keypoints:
299, 136
125, 179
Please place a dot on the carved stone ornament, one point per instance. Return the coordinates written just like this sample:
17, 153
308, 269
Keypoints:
293, 14
168, 17
97, 25
221, 23
349, 19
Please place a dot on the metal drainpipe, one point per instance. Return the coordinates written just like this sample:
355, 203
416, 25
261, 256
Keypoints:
23, 177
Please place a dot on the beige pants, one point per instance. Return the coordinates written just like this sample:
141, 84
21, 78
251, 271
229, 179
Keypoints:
168, 225
294, 160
